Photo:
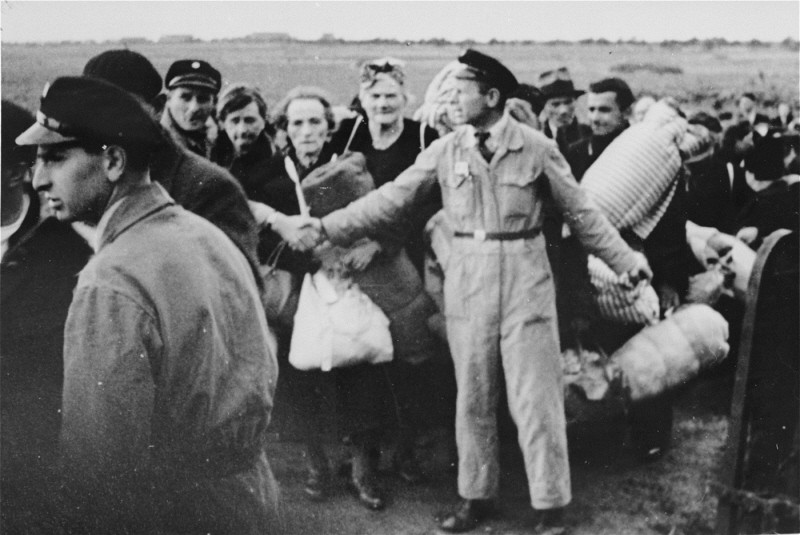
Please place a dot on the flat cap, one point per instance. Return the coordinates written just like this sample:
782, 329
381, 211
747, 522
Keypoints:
128, 69
90, 109
193, 73
479, 66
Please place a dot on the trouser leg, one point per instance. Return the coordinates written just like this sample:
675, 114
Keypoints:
475, 357
531, 360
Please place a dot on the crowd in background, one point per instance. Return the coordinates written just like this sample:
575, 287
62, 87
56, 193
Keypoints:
203, 397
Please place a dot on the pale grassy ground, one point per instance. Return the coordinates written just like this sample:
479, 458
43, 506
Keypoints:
708, 75
613, 493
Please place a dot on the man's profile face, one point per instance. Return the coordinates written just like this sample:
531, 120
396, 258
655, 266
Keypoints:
467, 103
190, 107
605, 117
73, 181
560, 110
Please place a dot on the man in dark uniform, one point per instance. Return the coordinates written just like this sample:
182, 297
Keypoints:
192, 89
559, 95
192, 181
498, 289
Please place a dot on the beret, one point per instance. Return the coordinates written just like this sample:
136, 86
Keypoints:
90, 109
128, 69
489, 70
193, 73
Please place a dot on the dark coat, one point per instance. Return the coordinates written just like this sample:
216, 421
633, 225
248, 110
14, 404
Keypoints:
386, 164
39, 273
209, 191
569, 135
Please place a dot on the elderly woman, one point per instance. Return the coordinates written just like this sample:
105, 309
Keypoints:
362, 391
389, 141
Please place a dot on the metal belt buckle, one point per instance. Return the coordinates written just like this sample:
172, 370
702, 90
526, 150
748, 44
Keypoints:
480, 235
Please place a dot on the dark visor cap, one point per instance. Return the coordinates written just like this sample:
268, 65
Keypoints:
90, 109
487, 69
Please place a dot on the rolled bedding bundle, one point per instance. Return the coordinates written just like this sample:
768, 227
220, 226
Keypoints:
671, 353
633, 180
619, 301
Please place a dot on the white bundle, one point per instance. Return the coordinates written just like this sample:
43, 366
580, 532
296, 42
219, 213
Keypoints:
669, 354
633, 180
620, 302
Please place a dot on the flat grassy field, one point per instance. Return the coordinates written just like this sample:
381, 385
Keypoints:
614, 494
703, 76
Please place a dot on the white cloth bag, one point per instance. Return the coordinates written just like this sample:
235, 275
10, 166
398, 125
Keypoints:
334, 328
336, 325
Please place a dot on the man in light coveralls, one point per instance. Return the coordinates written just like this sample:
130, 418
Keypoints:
499, 297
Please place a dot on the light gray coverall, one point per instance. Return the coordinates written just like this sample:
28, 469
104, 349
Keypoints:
499, 295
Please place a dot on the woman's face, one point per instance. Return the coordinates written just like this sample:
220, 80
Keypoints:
384, 101
243, 127
306, 126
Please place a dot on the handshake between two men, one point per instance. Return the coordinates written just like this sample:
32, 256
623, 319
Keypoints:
302, 233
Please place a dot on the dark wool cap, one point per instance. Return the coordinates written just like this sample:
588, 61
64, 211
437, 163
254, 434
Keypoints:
193, 73
128, 69
486, 69
90, 109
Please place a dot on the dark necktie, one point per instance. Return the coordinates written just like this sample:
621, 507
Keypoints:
484, 150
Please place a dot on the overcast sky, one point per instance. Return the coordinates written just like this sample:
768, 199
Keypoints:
25, 20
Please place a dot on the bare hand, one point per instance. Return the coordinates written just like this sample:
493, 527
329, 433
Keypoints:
301, 233
747, 234
360, 256
667, 297
640, 270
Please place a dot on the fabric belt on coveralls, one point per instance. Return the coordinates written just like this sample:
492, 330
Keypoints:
482, 235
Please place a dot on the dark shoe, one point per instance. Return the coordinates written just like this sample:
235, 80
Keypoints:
549, 522
467, 515
366, 492
408, 470
317, 484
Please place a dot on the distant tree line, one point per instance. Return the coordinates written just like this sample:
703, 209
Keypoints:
265, 37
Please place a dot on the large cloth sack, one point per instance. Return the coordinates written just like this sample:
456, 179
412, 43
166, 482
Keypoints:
619, 302
336, 325
337, 183
669, 354
633, 180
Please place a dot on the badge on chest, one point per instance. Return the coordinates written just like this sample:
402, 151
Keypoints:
460, 173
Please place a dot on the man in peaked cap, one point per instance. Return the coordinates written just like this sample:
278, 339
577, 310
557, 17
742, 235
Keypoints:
559, 95
498, 289
192, 181
169, 368
192, 89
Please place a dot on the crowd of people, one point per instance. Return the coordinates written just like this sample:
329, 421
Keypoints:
146, 220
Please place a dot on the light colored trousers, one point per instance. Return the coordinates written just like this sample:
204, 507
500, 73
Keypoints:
500, 308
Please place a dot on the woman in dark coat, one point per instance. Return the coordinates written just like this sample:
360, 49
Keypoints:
364, 392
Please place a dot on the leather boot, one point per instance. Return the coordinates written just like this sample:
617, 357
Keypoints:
467, 515
362, 480
318, 478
